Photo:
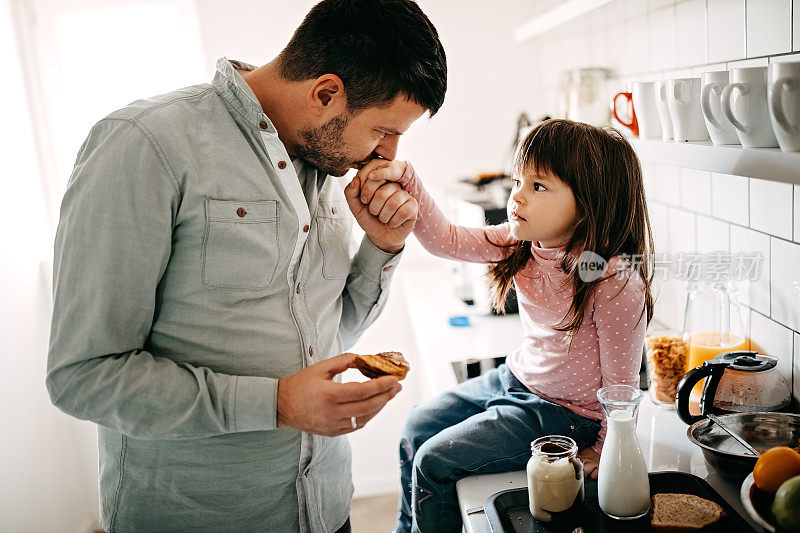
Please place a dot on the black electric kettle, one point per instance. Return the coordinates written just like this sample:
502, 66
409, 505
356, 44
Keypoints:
737, 382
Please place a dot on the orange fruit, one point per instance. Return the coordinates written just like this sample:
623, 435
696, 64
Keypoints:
775, 466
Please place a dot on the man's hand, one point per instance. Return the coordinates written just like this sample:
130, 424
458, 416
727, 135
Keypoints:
389, 214
591, 460
312, 402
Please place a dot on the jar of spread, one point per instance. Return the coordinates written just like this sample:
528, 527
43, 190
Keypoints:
555, 477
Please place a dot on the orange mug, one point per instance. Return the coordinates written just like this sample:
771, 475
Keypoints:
633, 124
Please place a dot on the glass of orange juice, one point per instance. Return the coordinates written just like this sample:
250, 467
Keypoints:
713, 321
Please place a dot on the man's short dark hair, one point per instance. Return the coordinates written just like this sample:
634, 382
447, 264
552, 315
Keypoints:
379, 48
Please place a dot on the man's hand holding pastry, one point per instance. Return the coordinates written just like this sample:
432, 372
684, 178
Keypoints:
311, 401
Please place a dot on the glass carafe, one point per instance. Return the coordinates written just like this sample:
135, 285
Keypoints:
713, 322
587, 102
623, 486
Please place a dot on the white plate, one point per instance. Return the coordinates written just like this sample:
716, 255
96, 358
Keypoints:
745, 494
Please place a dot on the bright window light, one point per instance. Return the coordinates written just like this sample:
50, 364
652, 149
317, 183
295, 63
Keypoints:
23, 220
110, 56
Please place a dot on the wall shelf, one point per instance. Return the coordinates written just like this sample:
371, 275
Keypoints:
762, 163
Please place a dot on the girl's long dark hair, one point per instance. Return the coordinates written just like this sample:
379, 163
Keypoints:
604, 174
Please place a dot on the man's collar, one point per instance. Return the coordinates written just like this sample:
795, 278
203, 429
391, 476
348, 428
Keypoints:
238, 94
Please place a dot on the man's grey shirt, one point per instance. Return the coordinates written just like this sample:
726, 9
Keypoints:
191, 272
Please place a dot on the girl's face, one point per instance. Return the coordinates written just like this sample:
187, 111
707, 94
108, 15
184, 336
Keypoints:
541, 209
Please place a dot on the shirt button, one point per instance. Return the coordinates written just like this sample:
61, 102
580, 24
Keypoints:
310, 351
281, 164
262, 125
306, 228
386, 269
297, 289
333, 210
306, 472
241, 212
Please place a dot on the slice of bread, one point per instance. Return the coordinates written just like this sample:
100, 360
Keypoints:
678, 513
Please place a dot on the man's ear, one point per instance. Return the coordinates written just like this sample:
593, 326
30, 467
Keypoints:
327, 96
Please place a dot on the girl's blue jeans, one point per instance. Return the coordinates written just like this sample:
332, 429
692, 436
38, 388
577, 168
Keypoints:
482, 426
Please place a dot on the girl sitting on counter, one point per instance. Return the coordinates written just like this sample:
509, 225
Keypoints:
578, 201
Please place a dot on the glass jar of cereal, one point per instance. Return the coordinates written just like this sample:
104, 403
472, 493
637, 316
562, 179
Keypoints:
667, 353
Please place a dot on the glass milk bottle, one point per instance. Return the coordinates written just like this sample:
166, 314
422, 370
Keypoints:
623, 487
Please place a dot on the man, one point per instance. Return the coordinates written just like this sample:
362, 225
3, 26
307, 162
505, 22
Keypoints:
203, 278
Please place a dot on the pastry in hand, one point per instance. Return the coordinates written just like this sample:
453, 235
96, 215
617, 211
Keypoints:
383, 364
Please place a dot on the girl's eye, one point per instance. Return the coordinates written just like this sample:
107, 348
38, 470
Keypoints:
382, 134
538, 187
516, 184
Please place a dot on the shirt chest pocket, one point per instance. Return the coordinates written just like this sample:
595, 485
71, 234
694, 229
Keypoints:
241, 245
333, 235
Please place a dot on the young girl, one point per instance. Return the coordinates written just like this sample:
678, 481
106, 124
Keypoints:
577, 188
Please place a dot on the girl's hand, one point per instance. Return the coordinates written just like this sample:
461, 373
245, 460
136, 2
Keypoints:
591, 460
376, 173
390, 213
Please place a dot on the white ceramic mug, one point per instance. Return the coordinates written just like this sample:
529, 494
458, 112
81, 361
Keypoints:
744, 103
683, 100
719, 127
663, 111
644, 105
783, 94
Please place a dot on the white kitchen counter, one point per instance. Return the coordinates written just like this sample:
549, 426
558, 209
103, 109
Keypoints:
431, 300
662, 436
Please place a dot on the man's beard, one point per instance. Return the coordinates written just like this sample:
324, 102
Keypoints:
323, 147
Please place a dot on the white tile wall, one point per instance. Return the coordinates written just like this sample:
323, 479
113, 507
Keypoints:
713, 235
785, 280
755, 292
682, 231
773, 339
729, 198
636, 7
659, 220
657, 4
796, 25
692, 210
667, 183
647, 178
771, 207
638, 46
696, 190
769, 27
797, 208
692, 44
670, 302
662, 39
726, 30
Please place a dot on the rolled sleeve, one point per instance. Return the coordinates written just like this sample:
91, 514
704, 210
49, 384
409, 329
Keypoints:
255, 404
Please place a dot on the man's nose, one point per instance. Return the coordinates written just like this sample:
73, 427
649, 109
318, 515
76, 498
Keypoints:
387, 148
